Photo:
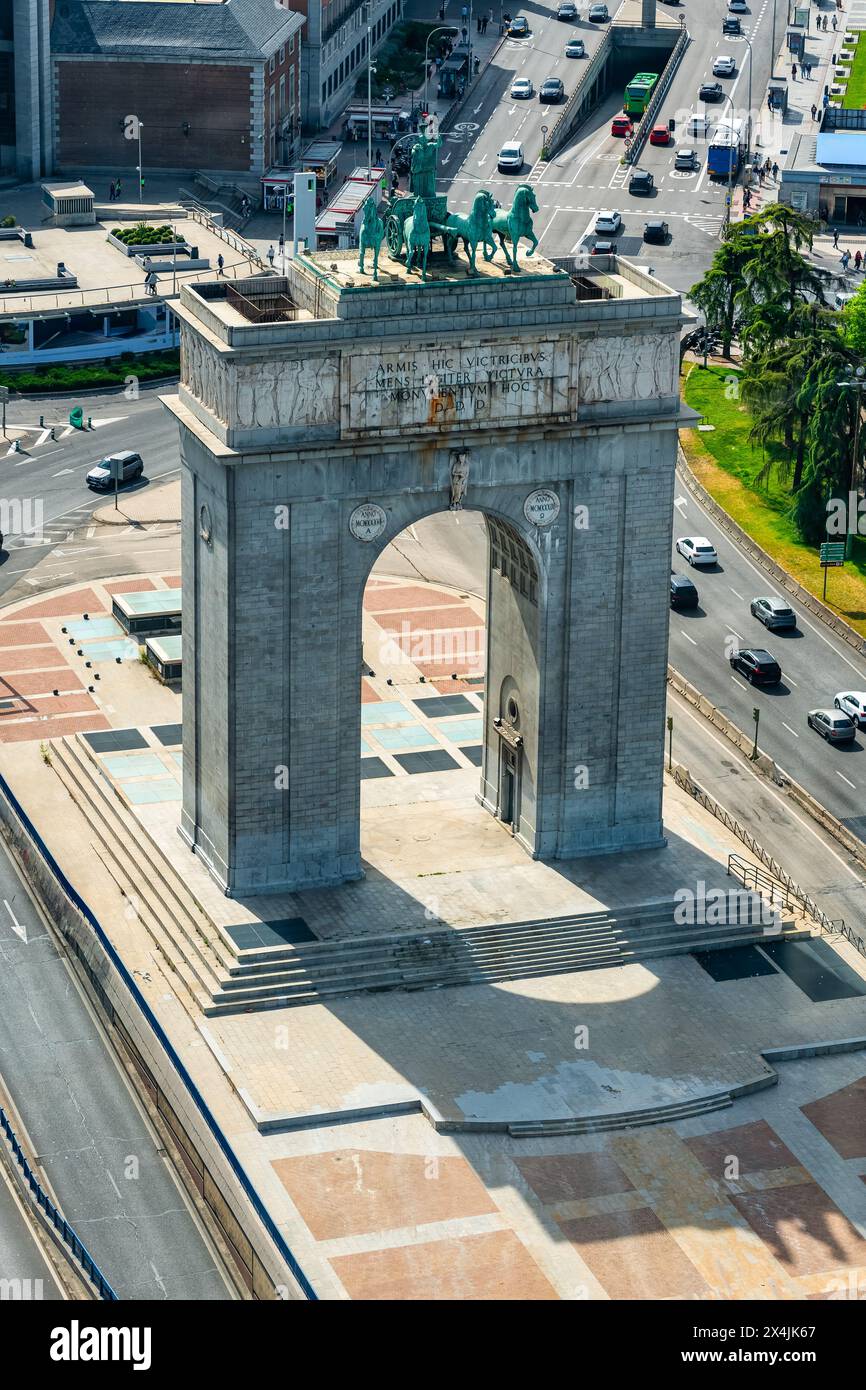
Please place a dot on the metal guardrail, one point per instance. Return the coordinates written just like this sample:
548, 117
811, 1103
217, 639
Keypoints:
773, 877
562, 127
74, 1245
638, 140
238, 243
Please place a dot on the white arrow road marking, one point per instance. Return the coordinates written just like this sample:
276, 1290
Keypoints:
477, 108
446, 159
17, 926
42, 438
108, 420
62, 471
680, 502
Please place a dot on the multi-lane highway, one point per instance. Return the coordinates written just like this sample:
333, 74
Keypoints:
587, 175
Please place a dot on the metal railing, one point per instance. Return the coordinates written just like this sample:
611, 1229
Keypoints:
74, 1245
638, 140
773, 876
238, 243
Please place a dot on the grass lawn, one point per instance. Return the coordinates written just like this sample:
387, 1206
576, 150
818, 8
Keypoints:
727, 465
855, 92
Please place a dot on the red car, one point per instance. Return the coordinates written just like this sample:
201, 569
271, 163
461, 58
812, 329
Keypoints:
660, 135
620, 125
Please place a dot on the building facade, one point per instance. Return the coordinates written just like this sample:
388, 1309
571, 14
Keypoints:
25, 122
216, 86
335, 51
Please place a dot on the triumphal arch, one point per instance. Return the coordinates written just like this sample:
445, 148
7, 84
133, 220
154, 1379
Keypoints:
323, 411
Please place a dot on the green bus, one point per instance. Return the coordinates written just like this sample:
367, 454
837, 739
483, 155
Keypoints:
638, 93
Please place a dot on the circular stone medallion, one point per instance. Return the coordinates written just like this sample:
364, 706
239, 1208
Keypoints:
541, 507
367, 522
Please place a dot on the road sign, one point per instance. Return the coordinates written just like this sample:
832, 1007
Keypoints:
833, 553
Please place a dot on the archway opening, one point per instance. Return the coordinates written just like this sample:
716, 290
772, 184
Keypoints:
450, 694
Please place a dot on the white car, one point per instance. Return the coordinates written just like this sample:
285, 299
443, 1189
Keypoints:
697, 550
724, 66
852, 703
738, 7
511, 156
522, 87
607, 222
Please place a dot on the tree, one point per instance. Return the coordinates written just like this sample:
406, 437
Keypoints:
717, 294
833, 410
854, 322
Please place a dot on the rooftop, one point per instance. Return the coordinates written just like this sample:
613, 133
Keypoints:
232, 29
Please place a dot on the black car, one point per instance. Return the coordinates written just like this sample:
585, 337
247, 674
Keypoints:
604, 248
683, 592
519, 27
758, 666
731, 25
656, 231
711, 91
552, 90
641, 181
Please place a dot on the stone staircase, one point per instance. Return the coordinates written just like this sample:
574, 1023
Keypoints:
212, 976
626, 1119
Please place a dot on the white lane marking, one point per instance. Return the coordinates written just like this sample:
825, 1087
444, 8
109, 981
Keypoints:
802, 618
788, 681
680, 502
726, 749
734, 633
844, 778
790, 730
734, 592
42, 438
18, 927
688, 638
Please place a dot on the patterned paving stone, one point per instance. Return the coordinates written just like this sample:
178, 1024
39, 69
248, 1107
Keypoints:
804, 1229
80, 601
490, 1266
130, 586
22, 634
401, 597
556, 1178
755, 1147
841, 1118
350, 1192
633, 1255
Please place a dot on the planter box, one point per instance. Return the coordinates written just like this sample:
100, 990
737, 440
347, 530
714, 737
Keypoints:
183, 262
162, 248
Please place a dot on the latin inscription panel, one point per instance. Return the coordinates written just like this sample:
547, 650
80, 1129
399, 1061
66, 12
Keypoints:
482, 384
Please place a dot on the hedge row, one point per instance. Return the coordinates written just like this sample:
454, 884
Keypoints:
83, 376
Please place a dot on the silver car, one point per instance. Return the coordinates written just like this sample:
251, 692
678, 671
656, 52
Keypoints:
831, 724
773, 613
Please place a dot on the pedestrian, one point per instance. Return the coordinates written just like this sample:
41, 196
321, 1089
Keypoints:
794, 71
271, 255
111, 191
825, 24
220, 263
775, 170
835, 22
747, 198
845, 258
835, 238
478, 24
858, 259
464, 13
464, 33
814, 112
117, 189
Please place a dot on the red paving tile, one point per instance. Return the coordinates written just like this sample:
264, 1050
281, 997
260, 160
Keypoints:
558, 1178
755, 1147
38, 683
803, 1227
22, 634
32, 729
841, 1118
80, 601
30, 659
491, 1266
400, 596
129, 586
449, 687
171, 581
430, 620
368, 694
468, 666
63, 704
632, 1255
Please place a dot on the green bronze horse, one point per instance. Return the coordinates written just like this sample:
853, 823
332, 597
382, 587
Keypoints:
471, 230
416, 235
371, 236
514, 225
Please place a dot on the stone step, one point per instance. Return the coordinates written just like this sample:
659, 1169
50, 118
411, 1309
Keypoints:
628, 1119
170, 885
307, 992
562, 947
109, 819
193, 991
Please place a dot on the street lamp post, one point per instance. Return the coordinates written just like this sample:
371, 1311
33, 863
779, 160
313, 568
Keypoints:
140, 166
543, 140
748, 41
443, 29
730, 102
369, 94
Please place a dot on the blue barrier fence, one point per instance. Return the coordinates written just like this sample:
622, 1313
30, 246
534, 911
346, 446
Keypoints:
158, 1031
76, 1247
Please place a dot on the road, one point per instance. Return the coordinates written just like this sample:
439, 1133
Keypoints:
587, 175
21, 1258
91, 1136
47, 478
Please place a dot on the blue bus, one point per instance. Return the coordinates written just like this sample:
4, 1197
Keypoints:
726, 149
